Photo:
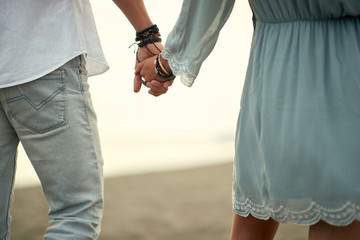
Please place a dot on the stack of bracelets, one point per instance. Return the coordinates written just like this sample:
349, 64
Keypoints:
161, 71
152, 35
146, 36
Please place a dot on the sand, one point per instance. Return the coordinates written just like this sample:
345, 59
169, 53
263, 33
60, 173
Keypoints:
192, 204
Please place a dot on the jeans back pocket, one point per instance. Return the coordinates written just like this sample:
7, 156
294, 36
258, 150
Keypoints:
39, 105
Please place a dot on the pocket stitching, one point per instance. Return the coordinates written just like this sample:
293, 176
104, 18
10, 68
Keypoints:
36, 106
62, 120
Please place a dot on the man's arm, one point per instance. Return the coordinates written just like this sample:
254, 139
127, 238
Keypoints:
135, 12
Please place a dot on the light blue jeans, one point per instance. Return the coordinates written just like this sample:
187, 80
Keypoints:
54, 119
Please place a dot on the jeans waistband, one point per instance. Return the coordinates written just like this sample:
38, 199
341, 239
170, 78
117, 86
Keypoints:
78, 61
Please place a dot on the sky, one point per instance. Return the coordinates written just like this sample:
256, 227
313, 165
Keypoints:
187, 127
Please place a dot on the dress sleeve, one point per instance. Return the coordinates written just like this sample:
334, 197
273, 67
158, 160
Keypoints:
194, 36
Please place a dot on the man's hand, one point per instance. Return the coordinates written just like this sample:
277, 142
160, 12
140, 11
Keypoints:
144, 53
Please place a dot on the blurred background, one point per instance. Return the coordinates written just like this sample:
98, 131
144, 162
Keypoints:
168, 160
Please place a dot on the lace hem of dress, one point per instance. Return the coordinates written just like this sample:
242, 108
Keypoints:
179, 68
338, 217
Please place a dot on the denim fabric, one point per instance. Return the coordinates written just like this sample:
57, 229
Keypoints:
54, 119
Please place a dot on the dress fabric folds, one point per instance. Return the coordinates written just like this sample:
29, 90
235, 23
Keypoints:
297, 155
298, 134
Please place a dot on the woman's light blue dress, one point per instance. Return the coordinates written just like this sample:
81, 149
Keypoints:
298, 135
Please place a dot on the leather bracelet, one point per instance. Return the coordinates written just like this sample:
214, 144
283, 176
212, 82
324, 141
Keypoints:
151, 40
159, 72
161, 66
147, 33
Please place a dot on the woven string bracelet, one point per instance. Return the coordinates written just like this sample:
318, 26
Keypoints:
149, 35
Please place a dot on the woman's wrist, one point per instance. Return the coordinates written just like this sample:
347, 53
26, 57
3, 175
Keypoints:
165, 64
161, 71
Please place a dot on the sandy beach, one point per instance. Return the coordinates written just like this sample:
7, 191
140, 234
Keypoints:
192, 204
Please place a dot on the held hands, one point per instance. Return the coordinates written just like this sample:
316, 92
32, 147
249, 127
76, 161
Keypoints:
149, 48
144, 53
146, 70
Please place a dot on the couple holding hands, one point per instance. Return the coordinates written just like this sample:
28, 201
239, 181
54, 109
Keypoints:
297, 137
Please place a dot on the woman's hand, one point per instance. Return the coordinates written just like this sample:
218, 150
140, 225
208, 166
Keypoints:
157, 88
